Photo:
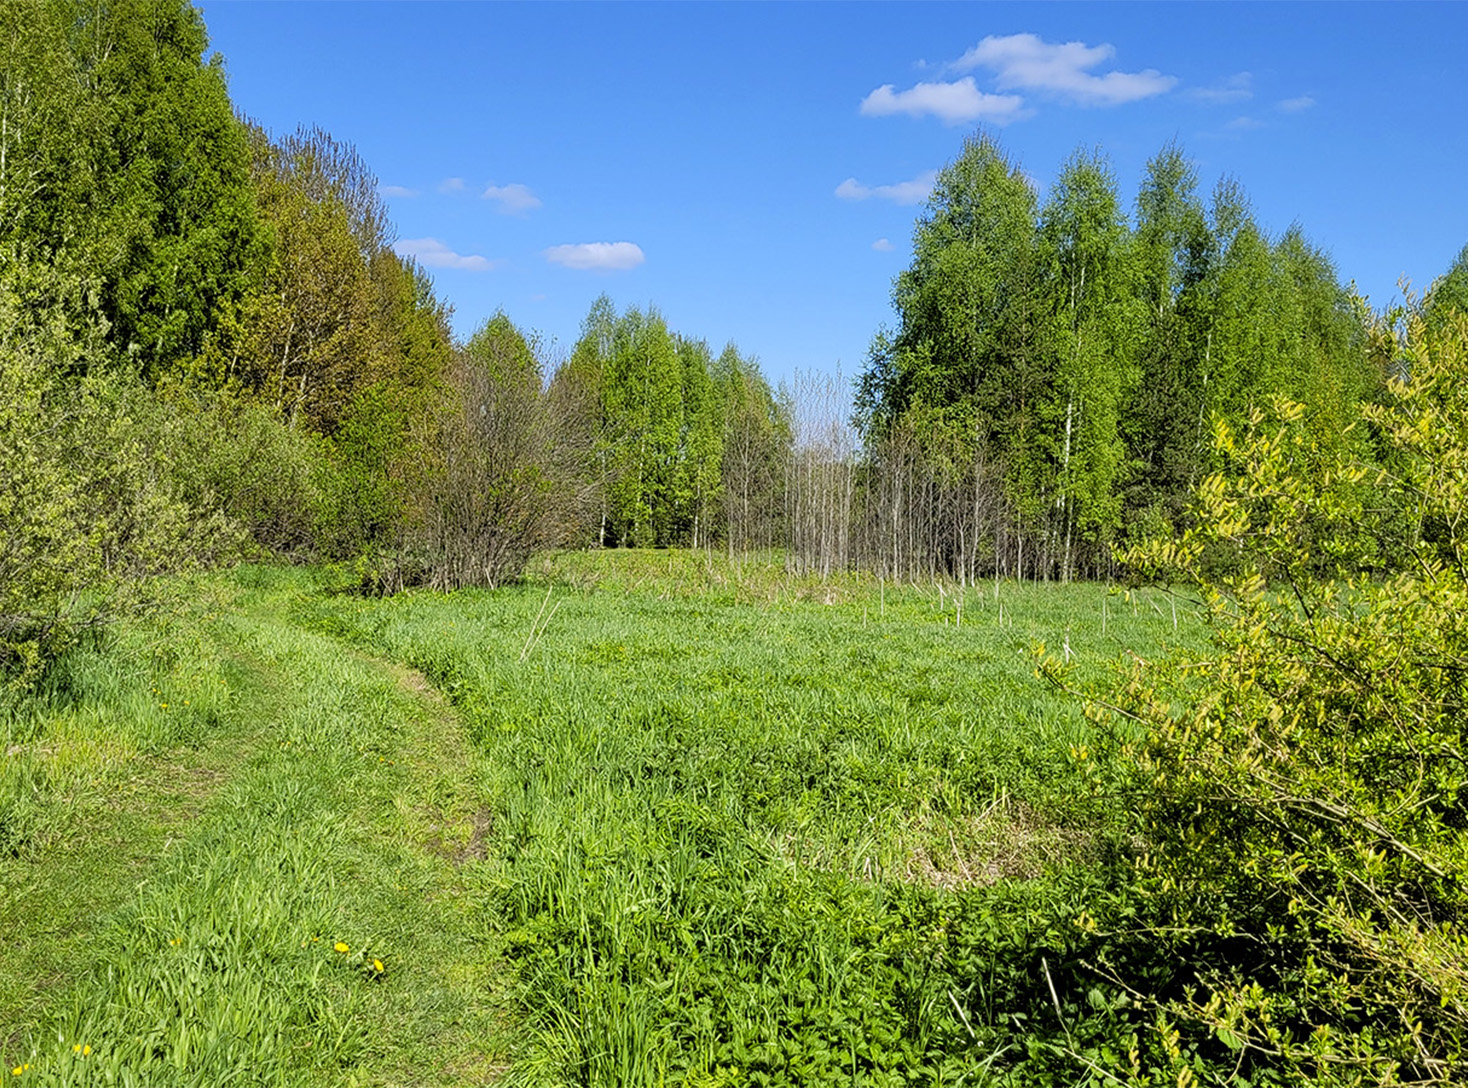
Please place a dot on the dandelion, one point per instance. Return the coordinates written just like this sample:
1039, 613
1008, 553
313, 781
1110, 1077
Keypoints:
377, 966
86, 1050
341, 946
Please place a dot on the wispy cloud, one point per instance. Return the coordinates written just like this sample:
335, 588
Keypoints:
1295, 105
953, 103
881, 245
396, 191
597, 256
451, 185
431, 253
513, 199
1027, 62
1244, 124
903, 192
1238, 87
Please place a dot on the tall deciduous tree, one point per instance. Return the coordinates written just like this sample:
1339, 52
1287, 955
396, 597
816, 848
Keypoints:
1095, 325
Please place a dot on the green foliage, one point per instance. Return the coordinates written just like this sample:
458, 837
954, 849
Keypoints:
123, 158
1302, 788
484, 495
1082, 358
1095, 320
1449, 292
754, 450
89, 506
658, 414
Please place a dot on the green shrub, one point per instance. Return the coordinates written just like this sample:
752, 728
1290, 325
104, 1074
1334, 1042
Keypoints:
91, 505
1304, 785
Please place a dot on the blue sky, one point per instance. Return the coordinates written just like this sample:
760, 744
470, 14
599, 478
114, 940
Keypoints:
754, 170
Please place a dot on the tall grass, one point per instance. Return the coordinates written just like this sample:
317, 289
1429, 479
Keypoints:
762, 830
689, 820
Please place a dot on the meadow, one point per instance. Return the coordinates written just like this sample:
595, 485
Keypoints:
657, 817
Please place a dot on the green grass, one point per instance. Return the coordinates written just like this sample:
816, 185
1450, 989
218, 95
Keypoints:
673, 818
204, 952
759, 830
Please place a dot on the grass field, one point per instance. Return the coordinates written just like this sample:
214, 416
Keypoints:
647, 818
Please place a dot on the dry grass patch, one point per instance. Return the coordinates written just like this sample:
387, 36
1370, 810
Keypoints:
1008, 840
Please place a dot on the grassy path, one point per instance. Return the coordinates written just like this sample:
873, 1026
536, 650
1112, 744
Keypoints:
297, 897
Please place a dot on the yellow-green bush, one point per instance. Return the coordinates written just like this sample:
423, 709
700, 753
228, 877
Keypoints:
1304, 790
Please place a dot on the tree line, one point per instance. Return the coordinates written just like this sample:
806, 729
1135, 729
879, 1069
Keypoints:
1051, 385
210, 349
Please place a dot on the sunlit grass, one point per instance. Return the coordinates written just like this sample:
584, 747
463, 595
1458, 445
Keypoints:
733, 807
676, 818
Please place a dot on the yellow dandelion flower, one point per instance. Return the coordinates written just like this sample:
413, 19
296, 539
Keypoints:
341, 946
377, 966
86, 1050
77, 1048
17, 1071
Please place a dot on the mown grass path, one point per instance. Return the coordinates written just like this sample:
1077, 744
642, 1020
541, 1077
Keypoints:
295, 897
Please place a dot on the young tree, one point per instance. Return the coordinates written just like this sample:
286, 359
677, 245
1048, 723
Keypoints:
488, 493
1171, 244
702, 444
755, 449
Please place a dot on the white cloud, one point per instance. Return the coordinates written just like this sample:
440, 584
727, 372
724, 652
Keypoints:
1238, 87
881, 245
1029, 63
1243, 124
597, 256
904, 192
451, 185
1295, 105
396, 190
431, 253
952, 103
514, 199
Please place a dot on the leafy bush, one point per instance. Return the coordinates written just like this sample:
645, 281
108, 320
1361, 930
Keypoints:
1304, 791
90, 506
490, 488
